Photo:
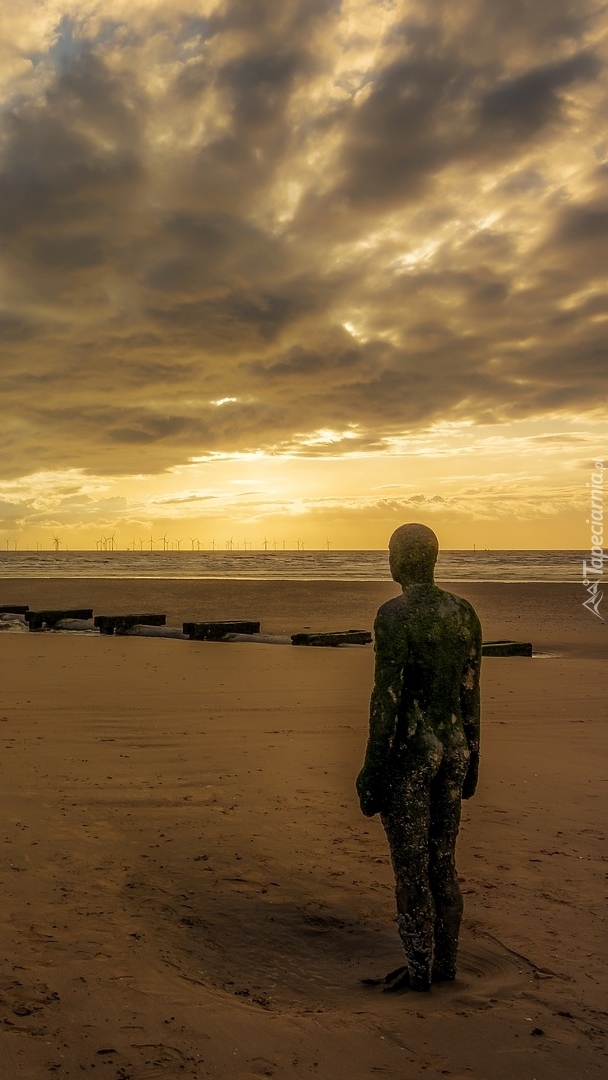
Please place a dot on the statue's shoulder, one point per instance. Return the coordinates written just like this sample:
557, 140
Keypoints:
464, 608
459, 601
391, 618
392, 609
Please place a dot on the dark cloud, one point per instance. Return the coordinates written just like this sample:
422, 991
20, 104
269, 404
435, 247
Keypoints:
369, 223
518, 108
391, 141
259, 87
583, 225
72, 154
15, 328
432, 108
239, 317
210, 250
299, 361
67, 252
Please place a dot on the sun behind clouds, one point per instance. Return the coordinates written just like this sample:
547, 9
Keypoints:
352, 255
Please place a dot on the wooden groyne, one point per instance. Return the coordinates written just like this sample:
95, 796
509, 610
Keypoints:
37, 620
119, 624
153, 624
506, 648
333, 639
217, 631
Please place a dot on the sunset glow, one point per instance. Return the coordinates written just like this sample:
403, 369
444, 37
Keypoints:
302, 271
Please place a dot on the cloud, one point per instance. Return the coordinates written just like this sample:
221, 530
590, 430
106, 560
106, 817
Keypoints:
520, 107
346, 217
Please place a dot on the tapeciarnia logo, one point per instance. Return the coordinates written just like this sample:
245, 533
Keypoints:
593, 570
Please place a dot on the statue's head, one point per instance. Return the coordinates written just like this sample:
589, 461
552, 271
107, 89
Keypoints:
412, 554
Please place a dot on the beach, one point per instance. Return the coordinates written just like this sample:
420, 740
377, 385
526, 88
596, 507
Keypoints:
191, 890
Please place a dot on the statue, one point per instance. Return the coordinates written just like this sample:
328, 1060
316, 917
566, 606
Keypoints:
422, 754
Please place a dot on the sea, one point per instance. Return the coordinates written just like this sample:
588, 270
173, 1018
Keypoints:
280, 565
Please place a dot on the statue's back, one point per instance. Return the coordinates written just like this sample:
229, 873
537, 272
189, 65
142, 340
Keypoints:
433, 632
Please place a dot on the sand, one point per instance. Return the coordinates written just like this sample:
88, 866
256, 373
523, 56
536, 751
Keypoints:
189, 887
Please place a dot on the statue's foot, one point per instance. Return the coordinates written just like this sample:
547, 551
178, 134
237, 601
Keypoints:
444, 965
444, 975
399, 979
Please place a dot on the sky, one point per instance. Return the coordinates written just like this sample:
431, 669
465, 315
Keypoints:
302, 271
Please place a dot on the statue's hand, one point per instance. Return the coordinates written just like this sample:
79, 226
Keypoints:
470, 781
371, 791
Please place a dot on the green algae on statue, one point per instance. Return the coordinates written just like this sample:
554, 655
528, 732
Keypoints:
422, 754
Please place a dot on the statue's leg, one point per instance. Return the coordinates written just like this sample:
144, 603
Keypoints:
406, 822
445, 804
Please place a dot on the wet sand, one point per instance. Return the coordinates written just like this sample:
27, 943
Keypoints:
190, 889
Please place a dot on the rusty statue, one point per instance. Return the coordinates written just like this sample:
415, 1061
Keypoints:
422, 754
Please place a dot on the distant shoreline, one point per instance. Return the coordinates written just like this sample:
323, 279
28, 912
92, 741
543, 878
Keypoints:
540, 565
270, 551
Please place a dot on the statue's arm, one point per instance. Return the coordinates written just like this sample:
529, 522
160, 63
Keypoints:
470, 705
384, 704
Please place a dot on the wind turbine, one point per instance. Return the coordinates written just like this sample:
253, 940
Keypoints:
56, 543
